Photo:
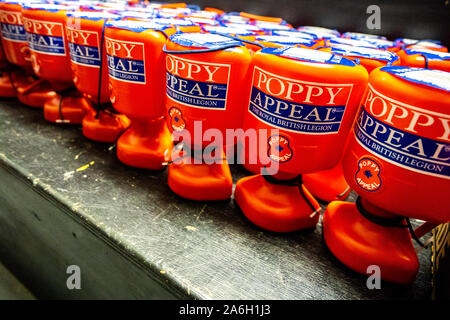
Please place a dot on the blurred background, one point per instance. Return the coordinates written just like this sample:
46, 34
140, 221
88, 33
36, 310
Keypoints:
418, 19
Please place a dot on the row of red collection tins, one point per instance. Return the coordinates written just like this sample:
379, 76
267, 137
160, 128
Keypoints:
144, 72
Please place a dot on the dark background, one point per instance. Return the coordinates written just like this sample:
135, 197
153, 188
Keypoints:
399, 18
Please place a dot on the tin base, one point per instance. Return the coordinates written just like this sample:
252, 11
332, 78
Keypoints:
328, 185
276, 207
65, 109
104, 126
6, 88
253, 168
29, 90
144, 144
359, 243
201, 182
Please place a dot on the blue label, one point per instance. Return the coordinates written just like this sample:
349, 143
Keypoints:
401, 147
46, 44
196, 93
84, 54
296, 117
126, 69
13, 32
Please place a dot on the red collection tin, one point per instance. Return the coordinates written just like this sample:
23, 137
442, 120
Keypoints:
20, 81
137, 75
85, 37
207, 79
44, 27
330, 185
397, 160
310, 97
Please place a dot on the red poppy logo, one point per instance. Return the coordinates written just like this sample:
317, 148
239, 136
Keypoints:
279, 149
368, 174
176, 119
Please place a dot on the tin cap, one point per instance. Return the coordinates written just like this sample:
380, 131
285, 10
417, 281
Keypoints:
431, 78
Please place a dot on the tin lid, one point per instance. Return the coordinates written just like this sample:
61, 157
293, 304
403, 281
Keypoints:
320, 32
205, 21
23, 2
429, 43
309, 55
267, 25
92, 15
174, 22
431, 78
109, 6
205, 14
285, 40
293, 33
244, 26
137, 14
135, 26
430, 54
203, 40
407, 41
173, 12
228, 30
72, 2
382, 43
353, 42
363, 36
49, 7
234, 17
362, 52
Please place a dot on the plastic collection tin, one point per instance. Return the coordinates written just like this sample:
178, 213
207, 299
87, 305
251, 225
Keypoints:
20, 81
85, 37
44, 28
14, 39
205, 85
137, 83
397, 160
330, 185
311, 98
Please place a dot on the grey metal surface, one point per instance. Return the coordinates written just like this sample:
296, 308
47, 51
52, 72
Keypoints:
11, 288
190, 249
